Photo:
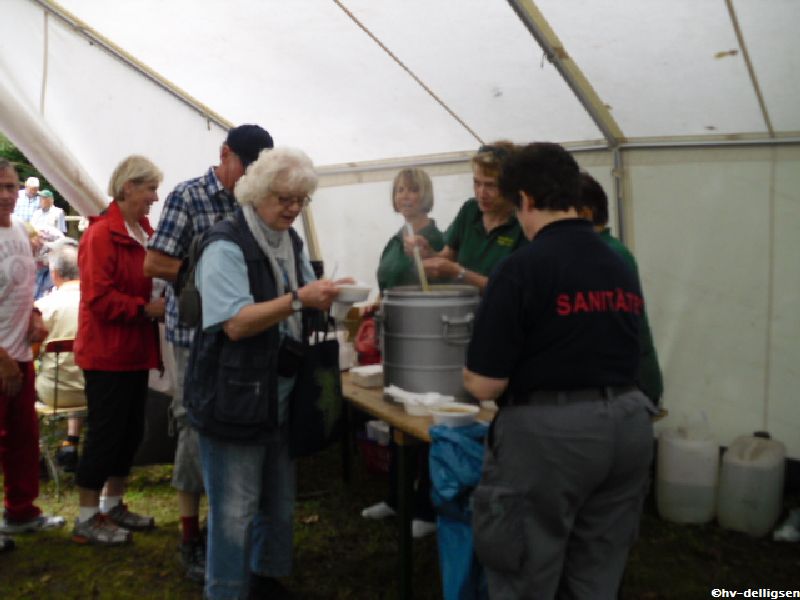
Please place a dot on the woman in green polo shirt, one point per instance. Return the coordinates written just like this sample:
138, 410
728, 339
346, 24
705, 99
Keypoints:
484, 231
412, 197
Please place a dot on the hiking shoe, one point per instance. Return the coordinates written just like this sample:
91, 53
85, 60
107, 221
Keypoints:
420, 528
67, 457
130, 520
6, 544
193, 559
381, 510
35, 524
100, 530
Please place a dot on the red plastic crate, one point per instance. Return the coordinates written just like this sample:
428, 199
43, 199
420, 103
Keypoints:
376, 457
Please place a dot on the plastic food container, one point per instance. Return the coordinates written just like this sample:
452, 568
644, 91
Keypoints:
454, 414
367, 376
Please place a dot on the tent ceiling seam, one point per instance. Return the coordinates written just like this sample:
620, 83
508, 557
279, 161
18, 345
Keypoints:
750, 70
533, 19
411, 73
45, 59
52, 7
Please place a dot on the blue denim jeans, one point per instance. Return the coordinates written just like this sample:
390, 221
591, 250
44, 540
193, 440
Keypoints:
251, 491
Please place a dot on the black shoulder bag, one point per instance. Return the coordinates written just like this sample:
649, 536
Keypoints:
316, 404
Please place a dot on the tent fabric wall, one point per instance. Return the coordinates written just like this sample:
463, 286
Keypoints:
717, 236
715, 230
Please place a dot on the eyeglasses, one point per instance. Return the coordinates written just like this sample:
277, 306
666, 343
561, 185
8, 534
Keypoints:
287, 200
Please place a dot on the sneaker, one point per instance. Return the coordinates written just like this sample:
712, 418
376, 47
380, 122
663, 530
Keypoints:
789, 531
100, 530
67, 457
420, 528
36, 524
381, 510
6, 544
130, 520
193, 558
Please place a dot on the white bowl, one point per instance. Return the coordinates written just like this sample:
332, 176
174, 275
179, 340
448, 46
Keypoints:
367, 376
454, 414
348, 294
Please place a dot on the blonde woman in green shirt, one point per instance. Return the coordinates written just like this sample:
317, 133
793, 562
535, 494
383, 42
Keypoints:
412, 197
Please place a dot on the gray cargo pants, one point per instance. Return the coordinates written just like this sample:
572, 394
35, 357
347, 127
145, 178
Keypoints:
560, 497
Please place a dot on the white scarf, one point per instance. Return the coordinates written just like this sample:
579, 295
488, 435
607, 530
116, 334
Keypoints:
277, 246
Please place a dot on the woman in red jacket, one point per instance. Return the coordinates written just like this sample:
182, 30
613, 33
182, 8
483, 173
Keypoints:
116, 345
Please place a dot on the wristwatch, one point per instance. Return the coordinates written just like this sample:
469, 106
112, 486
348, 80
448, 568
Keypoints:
297, 306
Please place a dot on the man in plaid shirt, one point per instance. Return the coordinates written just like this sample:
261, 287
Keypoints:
191, 208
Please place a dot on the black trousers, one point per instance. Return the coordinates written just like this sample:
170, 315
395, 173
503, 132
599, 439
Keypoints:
115, 425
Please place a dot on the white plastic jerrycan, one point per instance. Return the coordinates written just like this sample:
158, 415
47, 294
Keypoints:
687, 471
751, 484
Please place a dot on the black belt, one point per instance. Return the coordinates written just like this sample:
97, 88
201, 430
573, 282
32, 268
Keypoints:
556, 397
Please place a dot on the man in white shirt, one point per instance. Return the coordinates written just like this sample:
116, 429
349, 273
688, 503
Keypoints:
27, 200
20, 326
48, 215
48, 221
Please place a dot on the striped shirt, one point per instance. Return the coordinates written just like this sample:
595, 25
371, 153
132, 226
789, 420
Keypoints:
191, 208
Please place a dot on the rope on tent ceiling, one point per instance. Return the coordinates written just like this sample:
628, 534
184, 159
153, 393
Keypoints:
753, 78
403, 66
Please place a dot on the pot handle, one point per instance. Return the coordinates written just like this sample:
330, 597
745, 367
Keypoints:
458, 338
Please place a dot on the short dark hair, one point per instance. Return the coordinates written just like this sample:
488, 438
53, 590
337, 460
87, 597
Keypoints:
593, 198
546, 172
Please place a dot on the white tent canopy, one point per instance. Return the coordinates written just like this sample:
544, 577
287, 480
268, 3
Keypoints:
685, 110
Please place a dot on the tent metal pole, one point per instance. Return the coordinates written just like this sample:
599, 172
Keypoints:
678, 145
618, 175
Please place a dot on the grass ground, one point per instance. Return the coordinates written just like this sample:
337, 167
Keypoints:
338, 555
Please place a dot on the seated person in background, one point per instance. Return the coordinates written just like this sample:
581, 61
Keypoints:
412, 197
60, 315
484, 231
595, 209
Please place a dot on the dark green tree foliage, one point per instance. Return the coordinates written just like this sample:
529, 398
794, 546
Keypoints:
25, 169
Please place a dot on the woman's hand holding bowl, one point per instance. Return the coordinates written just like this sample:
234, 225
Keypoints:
319, 294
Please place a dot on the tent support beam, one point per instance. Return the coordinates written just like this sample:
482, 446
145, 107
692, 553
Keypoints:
750, 70
447, 160
539, 28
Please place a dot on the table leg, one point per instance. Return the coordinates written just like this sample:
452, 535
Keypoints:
405, 483
347, 440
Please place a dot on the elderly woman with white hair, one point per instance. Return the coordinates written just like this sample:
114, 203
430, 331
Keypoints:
256, 283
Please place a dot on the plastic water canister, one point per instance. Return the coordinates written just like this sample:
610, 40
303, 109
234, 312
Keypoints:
687, 471
751, 484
